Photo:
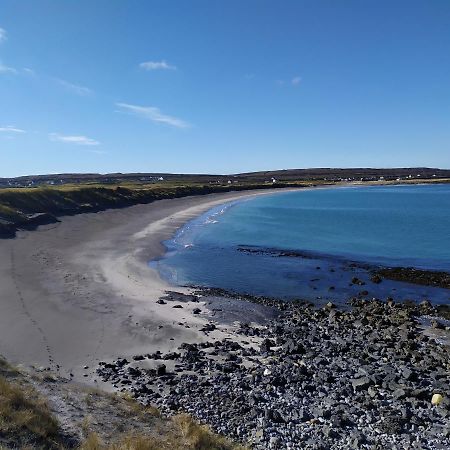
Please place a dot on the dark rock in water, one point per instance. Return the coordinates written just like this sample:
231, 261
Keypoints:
356, 280
160, 301
196, 311
177, 306
376, 279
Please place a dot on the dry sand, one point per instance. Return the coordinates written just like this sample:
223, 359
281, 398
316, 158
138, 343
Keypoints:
81, 291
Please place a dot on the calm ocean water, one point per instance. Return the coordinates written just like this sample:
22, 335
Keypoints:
386, 225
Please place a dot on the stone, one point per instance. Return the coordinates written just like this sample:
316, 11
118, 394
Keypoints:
160, 369
436, 324
361, 384
376, 279
436, 399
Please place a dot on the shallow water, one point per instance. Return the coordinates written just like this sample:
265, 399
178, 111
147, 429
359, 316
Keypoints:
385, 225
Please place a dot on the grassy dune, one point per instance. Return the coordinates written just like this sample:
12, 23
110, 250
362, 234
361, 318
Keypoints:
109, 422
28, 207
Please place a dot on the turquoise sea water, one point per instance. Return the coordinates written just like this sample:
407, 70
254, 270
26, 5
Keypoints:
383, 225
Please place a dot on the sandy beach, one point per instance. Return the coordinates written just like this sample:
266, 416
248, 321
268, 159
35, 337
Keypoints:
81, 291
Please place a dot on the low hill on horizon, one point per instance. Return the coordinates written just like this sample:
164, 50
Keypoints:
327, 174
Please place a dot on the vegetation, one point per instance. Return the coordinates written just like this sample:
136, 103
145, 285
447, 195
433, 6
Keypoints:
29, 207
25, 418
186, 435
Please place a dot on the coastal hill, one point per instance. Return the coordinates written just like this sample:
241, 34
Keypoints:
315, 174
32, 200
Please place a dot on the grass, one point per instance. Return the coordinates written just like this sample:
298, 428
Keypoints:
26, 421
18, 205
185, 434
24, 416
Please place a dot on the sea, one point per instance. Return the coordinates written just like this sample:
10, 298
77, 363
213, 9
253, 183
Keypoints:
310, 244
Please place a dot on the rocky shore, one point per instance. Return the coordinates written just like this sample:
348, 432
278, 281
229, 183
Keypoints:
361, 377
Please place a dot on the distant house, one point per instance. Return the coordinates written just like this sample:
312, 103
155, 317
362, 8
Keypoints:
274, 180
229, 181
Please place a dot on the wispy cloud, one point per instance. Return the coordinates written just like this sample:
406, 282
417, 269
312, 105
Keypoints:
11, 129
154, 114
79, 140
157, 65
296, 81
75, 88
29, 71
7, 69
3, 35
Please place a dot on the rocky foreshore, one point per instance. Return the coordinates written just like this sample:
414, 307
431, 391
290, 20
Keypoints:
366, 377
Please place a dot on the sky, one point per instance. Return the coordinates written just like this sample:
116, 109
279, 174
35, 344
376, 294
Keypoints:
208, 86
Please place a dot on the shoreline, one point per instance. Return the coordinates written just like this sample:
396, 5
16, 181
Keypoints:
80, 302
81, 291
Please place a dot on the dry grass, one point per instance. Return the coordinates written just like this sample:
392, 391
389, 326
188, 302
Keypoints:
184, 434
26, 422
24, 416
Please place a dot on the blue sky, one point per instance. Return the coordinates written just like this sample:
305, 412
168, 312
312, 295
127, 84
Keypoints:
223, 86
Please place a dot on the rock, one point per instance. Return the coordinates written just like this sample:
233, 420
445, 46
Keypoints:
399, 394
196, 311
436, 324
208, 327
376, 279
293, 347
160, 369
177, 306
436, 399
361, 384
274, 442
160, 301
121, 362
356, 280
265, 345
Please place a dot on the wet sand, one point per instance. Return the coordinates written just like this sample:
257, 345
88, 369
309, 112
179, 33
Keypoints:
81, 291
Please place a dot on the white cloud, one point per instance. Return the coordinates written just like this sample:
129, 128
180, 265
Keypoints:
29, 71
154, 114
157, 65
7, 69
2, 35
79, 140
11, 129
296, 81
75, 88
